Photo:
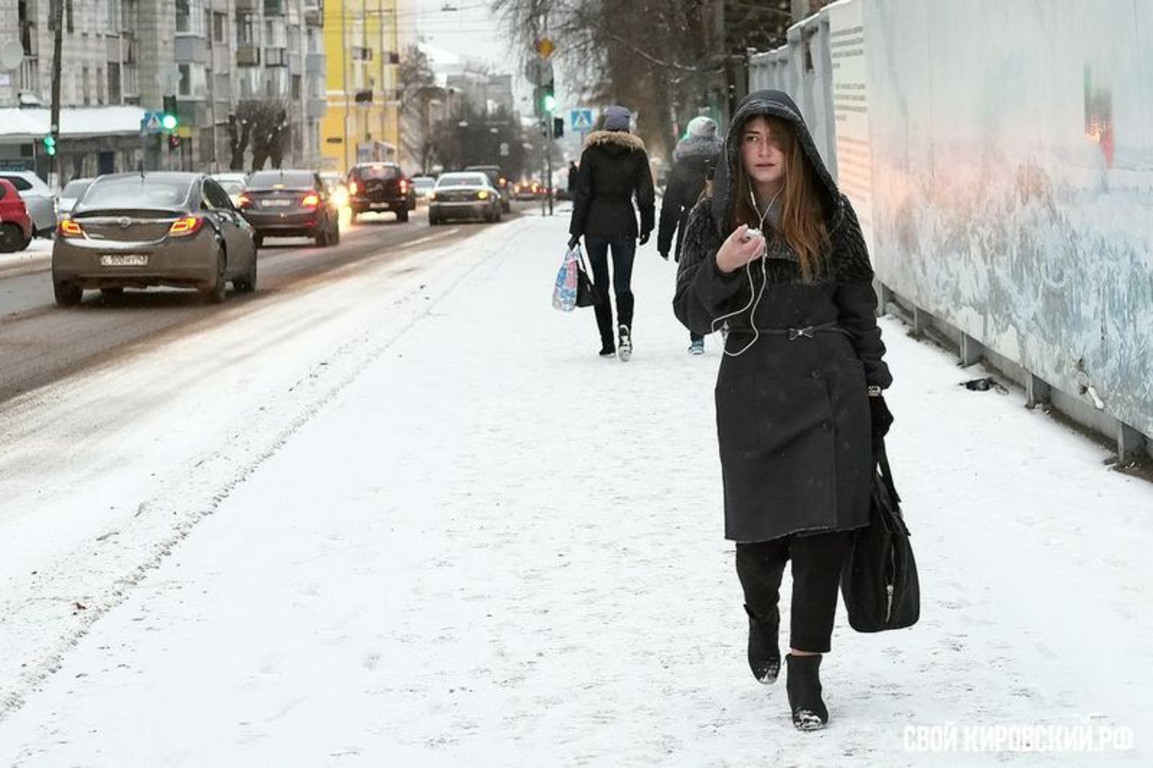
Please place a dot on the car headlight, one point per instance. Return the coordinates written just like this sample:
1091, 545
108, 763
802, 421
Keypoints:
482, 195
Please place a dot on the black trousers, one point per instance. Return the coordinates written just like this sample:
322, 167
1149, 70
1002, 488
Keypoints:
623, 250
817, 560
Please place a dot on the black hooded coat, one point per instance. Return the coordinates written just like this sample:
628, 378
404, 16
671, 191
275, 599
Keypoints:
793, 421
614, 169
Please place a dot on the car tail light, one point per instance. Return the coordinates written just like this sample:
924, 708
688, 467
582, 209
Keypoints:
403, 186
69, 228
353, 187
189, 225
310, 201
243, 201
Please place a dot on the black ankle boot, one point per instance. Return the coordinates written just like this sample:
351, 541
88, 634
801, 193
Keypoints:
804, 689
764, 655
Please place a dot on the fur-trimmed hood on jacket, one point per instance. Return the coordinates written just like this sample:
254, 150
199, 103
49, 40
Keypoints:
707, 148
615, 140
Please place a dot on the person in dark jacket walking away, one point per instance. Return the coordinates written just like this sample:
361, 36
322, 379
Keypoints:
798, 393
694, 162
614, 168
573, 176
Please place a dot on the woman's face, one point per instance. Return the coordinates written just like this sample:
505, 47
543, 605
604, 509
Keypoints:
762, 153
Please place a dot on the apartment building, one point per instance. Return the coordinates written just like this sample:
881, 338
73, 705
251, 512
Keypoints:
99, 86
364, 42
122, 57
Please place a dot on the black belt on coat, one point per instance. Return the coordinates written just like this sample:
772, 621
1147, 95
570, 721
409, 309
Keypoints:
807, 332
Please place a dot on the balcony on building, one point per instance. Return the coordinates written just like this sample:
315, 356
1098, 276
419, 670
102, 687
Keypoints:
314, 64
248, 55
30, 75
248, 6
275, 56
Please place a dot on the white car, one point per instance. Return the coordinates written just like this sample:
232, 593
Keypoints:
71, 193
38, 199
423, 185
233, 183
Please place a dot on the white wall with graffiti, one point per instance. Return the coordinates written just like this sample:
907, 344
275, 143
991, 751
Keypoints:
1002, 154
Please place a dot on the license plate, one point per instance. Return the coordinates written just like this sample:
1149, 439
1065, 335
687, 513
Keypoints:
124, 260
379, 205
276, 203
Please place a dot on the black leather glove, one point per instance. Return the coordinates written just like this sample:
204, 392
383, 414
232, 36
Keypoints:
644, 238
665, 255
881, 419
574, 241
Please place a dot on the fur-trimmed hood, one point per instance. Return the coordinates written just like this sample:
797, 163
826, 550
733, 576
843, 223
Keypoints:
707, 148
770, 104
615, 140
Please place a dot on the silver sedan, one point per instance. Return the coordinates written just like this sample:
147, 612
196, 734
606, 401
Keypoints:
139, 230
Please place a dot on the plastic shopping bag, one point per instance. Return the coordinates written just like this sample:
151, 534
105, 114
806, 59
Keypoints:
564, 293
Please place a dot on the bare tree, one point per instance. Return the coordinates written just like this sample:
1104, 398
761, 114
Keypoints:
652, 55
264, 124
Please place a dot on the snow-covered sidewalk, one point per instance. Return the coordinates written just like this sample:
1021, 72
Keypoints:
493, 547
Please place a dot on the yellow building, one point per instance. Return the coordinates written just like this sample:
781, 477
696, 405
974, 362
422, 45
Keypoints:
362, 47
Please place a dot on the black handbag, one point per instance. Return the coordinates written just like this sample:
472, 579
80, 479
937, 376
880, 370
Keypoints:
879, 581
587, 294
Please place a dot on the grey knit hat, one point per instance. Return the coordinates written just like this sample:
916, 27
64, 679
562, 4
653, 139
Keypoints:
702, 127
617, 118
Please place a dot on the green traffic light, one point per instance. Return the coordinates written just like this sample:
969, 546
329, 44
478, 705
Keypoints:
169, 122
50, 145
549, 103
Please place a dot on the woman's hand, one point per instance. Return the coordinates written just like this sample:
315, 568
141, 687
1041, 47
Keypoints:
737, 251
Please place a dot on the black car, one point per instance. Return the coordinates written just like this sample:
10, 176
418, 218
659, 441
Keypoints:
379, 187
290, 204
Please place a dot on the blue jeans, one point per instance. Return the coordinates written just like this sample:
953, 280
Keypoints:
623, 250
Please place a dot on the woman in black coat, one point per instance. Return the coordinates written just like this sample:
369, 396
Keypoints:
694, 163
798, 395
614, 169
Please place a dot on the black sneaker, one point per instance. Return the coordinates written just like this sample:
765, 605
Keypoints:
607, 350
625, 345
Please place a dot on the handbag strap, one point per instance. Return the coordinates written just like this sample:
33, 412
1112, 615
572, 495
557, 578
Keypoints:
581, 259
887, 472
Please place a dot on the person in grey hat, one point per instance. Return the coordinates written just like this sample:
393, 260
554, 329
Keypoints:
614, 169
694, 162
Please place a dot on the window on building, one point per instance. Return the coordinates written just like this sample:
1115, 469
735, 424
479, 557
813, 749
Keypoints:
183, 15
86, 86
114, 93
220, 27
99, 85
296, 87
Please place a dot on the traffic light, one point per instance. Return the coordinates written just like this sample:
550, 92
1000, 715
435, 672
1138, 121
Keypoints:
170, 120
50, 145
548, 99
558, 127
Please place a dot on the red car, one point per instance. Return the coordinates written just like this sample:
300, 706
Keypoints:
15, 223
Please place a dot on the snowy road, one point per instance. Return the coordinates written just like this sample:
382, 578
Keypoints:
416, 521
41, 343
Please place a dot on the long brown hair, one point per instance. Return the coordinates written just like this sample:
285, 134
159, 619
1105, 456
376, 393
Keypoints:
802, 222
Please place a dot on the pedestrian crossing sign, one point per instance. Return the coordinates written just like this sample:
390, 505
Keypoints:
151, 122
581, 119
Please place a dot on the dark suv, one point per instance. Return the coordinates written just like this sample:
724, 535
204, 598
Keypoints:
498, 180
378, 187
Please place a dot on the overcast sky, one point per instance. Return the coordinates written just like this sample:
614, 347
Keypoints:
472, 30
